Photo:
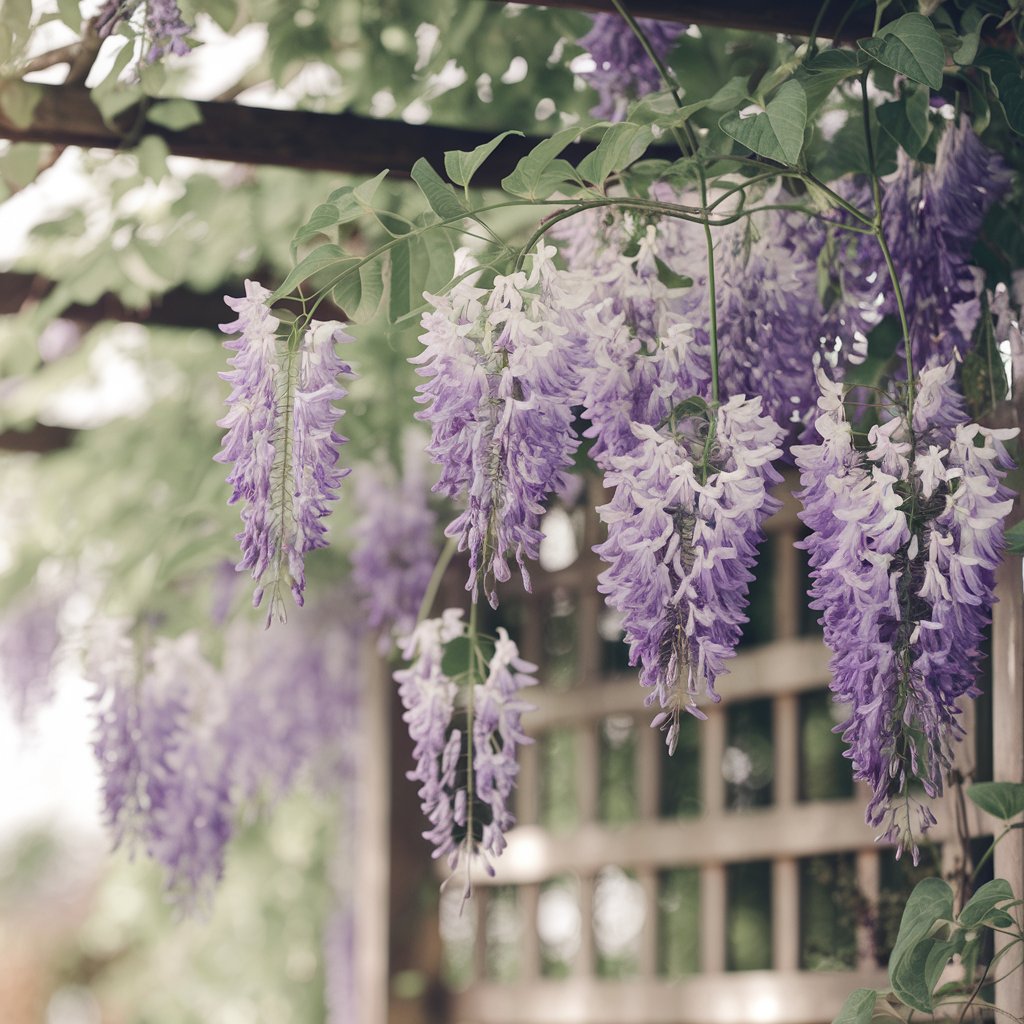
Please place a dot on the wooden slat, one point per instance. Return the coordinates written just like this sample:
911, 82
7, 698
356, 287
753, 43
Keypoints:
767, 997
803, 830
1008, 741
346, 143
791, 666
788, 16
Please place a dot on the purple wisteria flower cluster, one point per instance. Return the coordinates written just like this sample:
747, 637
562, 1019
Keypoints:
932, 215
468, 810
182, 745
30, 639
281, 438
166, 31
622, 69
906, 538
499, 395
163, 784
683, 529
394, 550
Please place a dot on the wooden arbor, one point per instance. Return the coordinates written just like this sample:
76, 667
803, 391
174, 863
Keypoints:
65, 115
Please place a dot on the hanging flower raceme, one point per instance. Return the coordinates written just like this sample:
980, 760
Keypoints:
281, 439
394, 553
622, 69
499, 401
163, 779
684, 524
165, 29
905, 542
29, 640
931, 217
468, 812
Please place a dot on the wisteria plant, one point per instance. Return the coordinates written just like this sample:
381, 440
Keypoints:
701, 321
808, 268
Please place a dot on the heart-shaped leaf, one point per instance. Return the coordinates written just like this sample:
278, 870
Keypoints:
858, 1007
777, 132
910, 46
981, 905
1004, 800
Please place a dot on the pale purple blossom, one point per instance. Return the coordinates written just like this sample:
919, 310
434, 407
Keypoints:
163, 781
281, 439
181, 745
500, 390
931, 217
290, 702
497, 731
622, 69
464, 819
682, 540
394, 550
29, 641
905, 540
165, 29
428, 696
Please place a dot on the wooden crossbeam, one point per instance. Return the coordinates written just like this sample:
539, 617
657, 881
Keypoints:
846, 21
180, 307
346, 143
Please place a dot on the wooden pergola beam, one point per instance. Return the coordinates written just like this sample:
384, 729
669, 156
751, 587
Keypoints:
846, 21
346, 143
180, 307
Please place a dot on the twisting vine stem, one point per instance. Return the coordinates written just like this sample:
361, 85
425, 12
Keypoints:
688, 147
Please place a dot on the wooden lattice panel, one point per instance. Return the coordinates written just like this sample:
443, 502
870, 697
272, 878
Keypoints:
726, 862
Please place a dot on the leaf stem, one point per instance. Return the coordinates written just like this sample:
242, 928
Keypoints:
440, 567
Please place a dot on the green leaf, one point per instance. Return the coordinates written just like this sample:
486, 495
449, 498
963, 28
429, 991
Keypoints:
621, 145
858, 1008
1015, 539
1003, 800
20, 164
418, 262
1004, 71
460, 165
906, 121
970, 35
152, 153
668, 277
321, 258
360, 294
777, 132
919, 955
18, 101
982, 904
70, 14
820, 75
661, 109
909, 46
323, 217
365, 192
441, 196
914, 976
177, 115
455, 660
539, 173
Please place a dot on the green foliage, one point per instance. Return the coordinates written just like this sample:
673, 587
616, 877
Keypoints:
909, 46
174, 114
777, 132
461, 165
1003, 800
858, 1008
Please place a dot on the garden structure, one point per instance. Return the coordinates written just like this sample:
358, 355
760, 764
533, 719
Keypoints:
727, 876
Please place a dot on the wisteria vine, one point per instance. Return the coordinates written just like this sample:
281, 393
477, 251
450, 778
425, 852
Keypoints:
639, 324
